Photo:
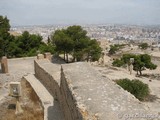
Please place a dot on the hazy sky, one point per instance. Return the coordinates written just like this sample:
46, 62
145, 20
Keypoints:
44, 12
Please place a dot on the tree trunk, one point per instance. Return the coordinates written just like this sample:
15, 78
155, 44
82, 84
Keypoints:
64, 55
137, 72
87, 57
73, 60
67, 57
140, 71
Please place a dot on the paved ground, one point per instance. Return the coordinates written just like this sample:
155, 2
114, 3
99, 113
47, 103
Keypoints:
99, 95
18, 68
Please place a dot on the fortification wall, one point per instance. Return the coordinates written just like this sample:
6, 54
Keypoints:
97, 97
49, 76
84, 94
69, 106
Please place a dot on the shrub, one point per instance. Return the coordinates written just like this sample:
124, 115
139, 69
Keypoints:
141, 62
135, 87
143, 46
113, 49
118, 63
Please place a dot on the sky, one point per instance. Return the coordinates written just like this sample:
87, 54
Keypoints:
48, 12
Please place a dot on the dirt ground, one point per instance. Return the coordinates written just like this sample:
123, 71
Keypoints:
32, 108
114, 73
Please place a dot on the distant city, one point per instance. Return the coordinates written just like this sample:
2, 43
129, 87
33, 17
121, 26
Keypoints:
99, 32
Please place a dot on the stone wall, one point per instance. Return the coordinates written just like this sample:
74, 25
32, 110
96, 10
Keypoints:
84, 94
4, 64
49, 75
96, 97
69, 102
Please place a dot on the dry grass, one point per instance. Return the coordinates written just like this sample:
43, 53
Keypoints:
32, 108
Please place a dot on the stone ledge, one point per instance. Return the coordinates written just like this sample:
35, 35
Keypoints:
50, 69
44, 96
98, 97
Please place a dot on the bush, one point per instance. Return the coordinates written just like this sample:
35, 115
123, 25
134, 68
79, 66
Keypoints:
141, 62
113, 49
144, 46
118, 63
135, 87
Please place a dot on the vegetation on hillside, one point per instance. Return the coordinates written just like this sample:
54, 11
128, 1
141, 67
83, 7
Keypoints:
5, 38
135, 87
20, 46
141, 62
29, 45
74, 41
143, 46
114, 48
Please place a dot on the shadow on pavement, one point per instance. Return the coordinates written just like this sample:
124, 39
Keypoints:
54, 112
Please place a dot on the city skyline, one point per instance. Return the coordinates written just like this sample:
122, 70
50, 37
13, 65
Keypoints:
48, 12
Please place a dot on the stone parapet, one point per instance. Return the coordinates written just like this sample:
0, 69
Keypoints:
84, 94
90, 96
49, 75
48, 56
40, 56
4, 65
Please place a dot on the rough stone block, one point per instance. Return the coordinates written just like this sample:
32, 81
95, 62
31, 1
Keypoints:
4, 65
48, 56
40, 56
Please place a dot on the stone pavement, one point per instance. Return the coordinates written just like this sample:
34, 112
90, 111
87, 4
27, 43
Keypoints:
17, 68
97, 96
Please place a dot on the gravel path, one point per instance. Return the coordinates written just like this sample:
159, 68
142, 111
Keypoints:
17, 68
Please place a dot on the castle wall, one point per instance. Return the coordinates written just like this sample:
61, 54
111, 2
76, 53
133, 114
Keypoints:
49, 76
84, 94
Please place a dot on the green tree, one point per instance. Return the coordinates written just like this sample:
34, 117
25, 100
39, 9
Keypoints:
20, 46
113, 49
74, 41
143, 46
30, 44
47, 48
118, 63
141, 62
5, 37
93, 50
135, 87
81, 41
63, 42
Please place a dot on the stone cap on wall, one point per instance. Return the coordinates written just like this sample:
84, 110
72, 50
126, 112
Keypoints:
98, 96
50, 68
